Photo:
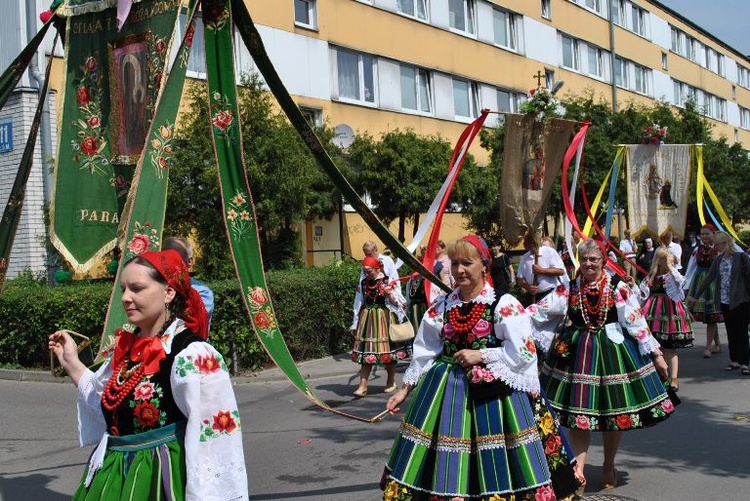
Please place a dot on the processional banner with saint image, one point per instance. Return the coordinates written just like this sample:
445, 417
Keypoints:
532, 160
658, 182
111, 82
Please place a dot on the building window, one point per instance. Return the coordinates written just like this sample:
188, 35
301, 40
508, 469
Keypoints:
618, 13
744, 118
465, 99
677, 37
639, 17
505, 29
304, 13
691, 51
664, 61
595, 5
570, 53
549, 78
683, 93
720, 64
461, 15
596, 61
546, 9
356, 76
415, 89
314, 116
413, 8
642, 79
621, 72
743, 76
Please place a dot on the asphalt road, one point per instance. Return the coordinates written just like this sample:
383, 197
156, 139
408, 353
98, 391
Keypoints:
294, 451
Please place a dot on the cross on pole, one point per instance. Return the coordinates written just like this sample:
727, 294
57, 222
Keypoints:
539, 75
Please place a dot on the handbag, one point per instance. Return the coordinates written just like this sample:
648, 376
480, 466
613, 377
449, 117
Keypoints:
400, 332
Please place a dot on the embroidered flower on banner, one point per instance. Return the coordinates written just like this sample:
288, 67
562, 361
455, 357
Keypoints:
184, 54
145, 237
239, 216
161, 148
215, 14
222, 115
261, 311
91, 141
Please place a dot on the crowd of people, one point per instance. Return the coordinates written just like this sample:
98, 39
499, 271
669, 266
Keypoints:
508, 359
509, 373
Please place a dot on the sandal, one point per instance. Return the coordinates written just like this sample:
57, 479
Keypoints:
609, 481
716, 349
732, 366
706, 353
391, 388
360, 392
674, 384
745, 371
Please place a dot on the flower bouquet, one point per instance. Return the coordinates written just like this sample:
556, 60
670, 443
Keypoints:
542, 103
654, 134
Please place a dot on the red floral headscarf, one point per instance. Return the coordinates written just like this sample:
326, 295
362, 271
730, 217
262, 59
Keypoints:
172, 267
372, 262
481, 246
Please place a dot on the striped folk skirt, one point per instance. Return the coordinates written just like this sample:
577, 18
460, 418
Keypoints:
450, 445
668, 321
704, 309
594, 383
149, 465
371, 343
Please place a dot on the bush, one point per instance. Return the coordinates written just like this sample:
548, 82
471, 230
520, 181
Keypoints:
313, 308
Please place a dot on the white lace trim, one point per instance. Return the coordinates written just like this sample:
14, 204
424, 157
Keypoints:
523, 382
487, 296
672, 285
649, 345
411, 376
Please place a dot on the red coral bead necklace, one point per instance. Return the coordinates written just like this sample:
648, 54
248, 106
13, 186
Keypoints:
120, 384
463, 324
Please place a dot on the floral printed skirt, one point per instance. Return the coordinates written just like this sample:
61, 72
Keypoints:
594, 383
149, 465
451, 446
371, 343
704, 309
668, 321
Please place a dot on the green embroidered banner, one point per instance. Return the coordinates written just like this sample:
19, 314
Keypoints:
14, 72
143, 217
237, 201
112, 79
12, 213
254, 44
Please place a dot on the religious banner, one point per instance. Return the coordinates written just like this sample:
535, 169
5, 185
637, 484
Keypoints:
531, 162
111, 82
143, 215
658, 180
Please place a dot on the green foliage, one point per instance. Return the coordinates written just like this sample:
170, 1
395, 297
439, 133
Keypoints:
313, 307
288, 185
401, 173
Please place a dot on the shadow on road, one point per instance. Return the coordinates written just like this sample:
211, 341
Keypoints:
29, 487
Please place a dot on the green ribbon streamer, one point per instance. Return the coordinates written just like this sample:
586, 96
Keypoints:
254, 44
143, 216
12, 213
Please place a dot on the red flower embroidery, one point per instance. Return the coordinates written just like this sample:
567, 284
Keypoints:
83, 96
94, 121
624, 422
223, 119
506, 311
258, 296
530, 345
162, 162
624, 294
139, 244
146, 414
89, 145
189, 36
207, 365
544, 493
224, 422
160, 46
385, 358
582, 422
144, 391
552, 445
91, 64
261, 320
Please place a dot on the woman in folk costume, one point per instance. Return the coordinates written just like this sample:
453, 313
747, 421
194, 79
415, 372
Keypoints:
705, 310
374, 302
477, 427
161, 406
602, 373
665, 313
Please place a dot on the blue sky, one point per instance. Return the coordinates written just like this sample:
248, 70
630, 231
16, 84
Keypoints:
727, 20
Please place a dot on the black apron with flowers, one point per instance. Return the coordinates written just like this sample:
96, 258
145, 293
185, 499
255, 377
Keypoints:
150, 404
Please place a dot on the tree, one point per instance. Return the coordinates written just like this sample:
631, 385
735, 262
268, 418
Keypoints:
401, 173
288, 185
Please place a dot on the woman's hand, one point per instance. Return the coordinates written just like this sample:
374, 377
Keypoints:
661, 367
629, 280
393, 403
66, 351
467, 358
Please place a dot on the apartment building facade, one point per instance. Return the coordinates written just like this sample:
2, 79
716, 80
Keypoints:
432, 65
